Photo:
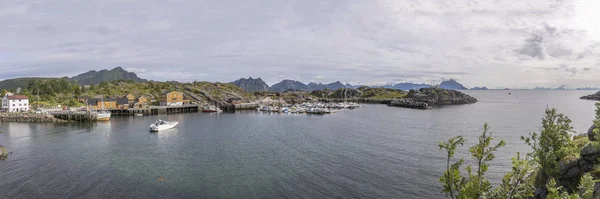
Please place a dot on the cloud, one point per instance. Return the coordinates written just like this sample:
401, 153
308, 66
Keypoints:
533, 47
491, 43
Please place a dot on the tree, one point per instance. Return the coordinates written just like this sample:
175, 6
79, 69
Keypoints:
550, 146
452, 180
474, 185
77, 92
515, 183
482, 153
596, 130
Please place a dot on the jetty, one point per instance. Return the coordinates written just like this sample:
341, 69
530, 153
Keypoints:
155, 110
75, 116
28, 117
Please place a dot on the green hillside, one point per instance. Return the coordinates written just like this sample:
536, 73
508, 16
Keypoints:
13, 84
65, 92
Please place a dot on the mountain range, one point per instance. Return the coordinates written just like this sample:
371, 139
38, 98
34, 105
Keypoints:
96, 77
253, 85
448, 84
87, 78
250, 84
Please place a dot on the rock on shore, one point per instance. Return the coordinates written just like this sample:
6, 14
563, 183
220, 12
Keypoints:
430, 97
595, 96
3, 153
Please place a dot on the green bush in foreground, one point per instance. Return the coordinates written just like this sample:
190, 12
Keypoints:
551, 145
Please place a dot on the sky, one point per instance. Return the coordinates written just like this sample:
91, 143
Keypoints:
493, 43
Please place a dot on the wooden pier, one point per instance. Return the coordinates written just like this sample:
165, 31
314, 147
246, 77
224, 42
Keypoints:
155, 110
71, 116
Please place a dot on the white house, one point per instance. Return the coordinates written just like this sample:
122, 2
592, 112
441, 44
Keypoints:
15, 103
4, 107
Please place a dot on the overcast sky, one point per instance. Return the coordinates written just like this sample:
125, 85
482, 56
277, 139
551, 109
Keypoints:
496, 43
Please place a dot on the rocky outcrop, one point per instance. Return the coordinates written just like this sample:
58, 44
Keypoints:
409, 103
359, 100
595, 96
430, 97
3, 153
591, 135
570, 171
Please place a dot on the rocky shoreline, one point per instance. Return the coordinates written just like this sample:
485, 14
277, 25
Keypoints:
28, 117
425, 98
359, 100
595, 96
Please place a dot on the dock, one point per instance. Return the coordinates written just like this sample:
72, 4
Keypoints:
75, 116
155, 110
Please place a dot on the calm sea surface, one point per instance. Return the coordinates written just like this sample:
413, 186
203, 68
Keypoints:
372, 152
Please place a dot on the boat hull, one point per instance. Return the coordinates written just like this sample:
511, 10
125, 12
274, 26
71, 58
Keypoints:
103, 119
170, 125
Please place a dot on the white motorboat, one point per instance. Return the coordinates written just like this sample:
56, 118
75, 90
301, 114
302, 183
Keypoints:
161, 125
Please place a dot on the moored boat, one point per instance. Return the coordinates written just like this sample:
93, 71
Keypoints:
211, 109
103, 116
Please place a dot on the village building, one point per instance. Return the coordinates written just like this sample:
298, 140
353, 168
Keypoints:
130, 97
141, 102
15, 103
108, 103
173, 98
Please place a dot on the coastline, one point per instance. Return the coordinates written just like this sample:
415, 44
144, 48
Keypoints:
29, 118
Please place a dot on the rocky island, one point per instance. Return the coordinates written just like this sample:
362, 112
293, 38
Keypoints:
425, 98
595, 96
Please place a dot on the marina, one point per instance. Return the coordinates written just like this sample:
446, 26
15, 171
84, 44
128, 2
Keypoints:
309, 108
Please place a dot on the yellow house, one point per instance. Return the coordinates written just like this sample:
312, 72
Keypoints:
130, 97
108, 103
142, 100
172, 98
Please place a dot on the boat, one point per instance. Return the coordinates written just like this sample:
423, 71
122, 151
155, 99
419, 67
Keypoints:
211, 109
103, 116
139, 114
161, 125
317, 111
